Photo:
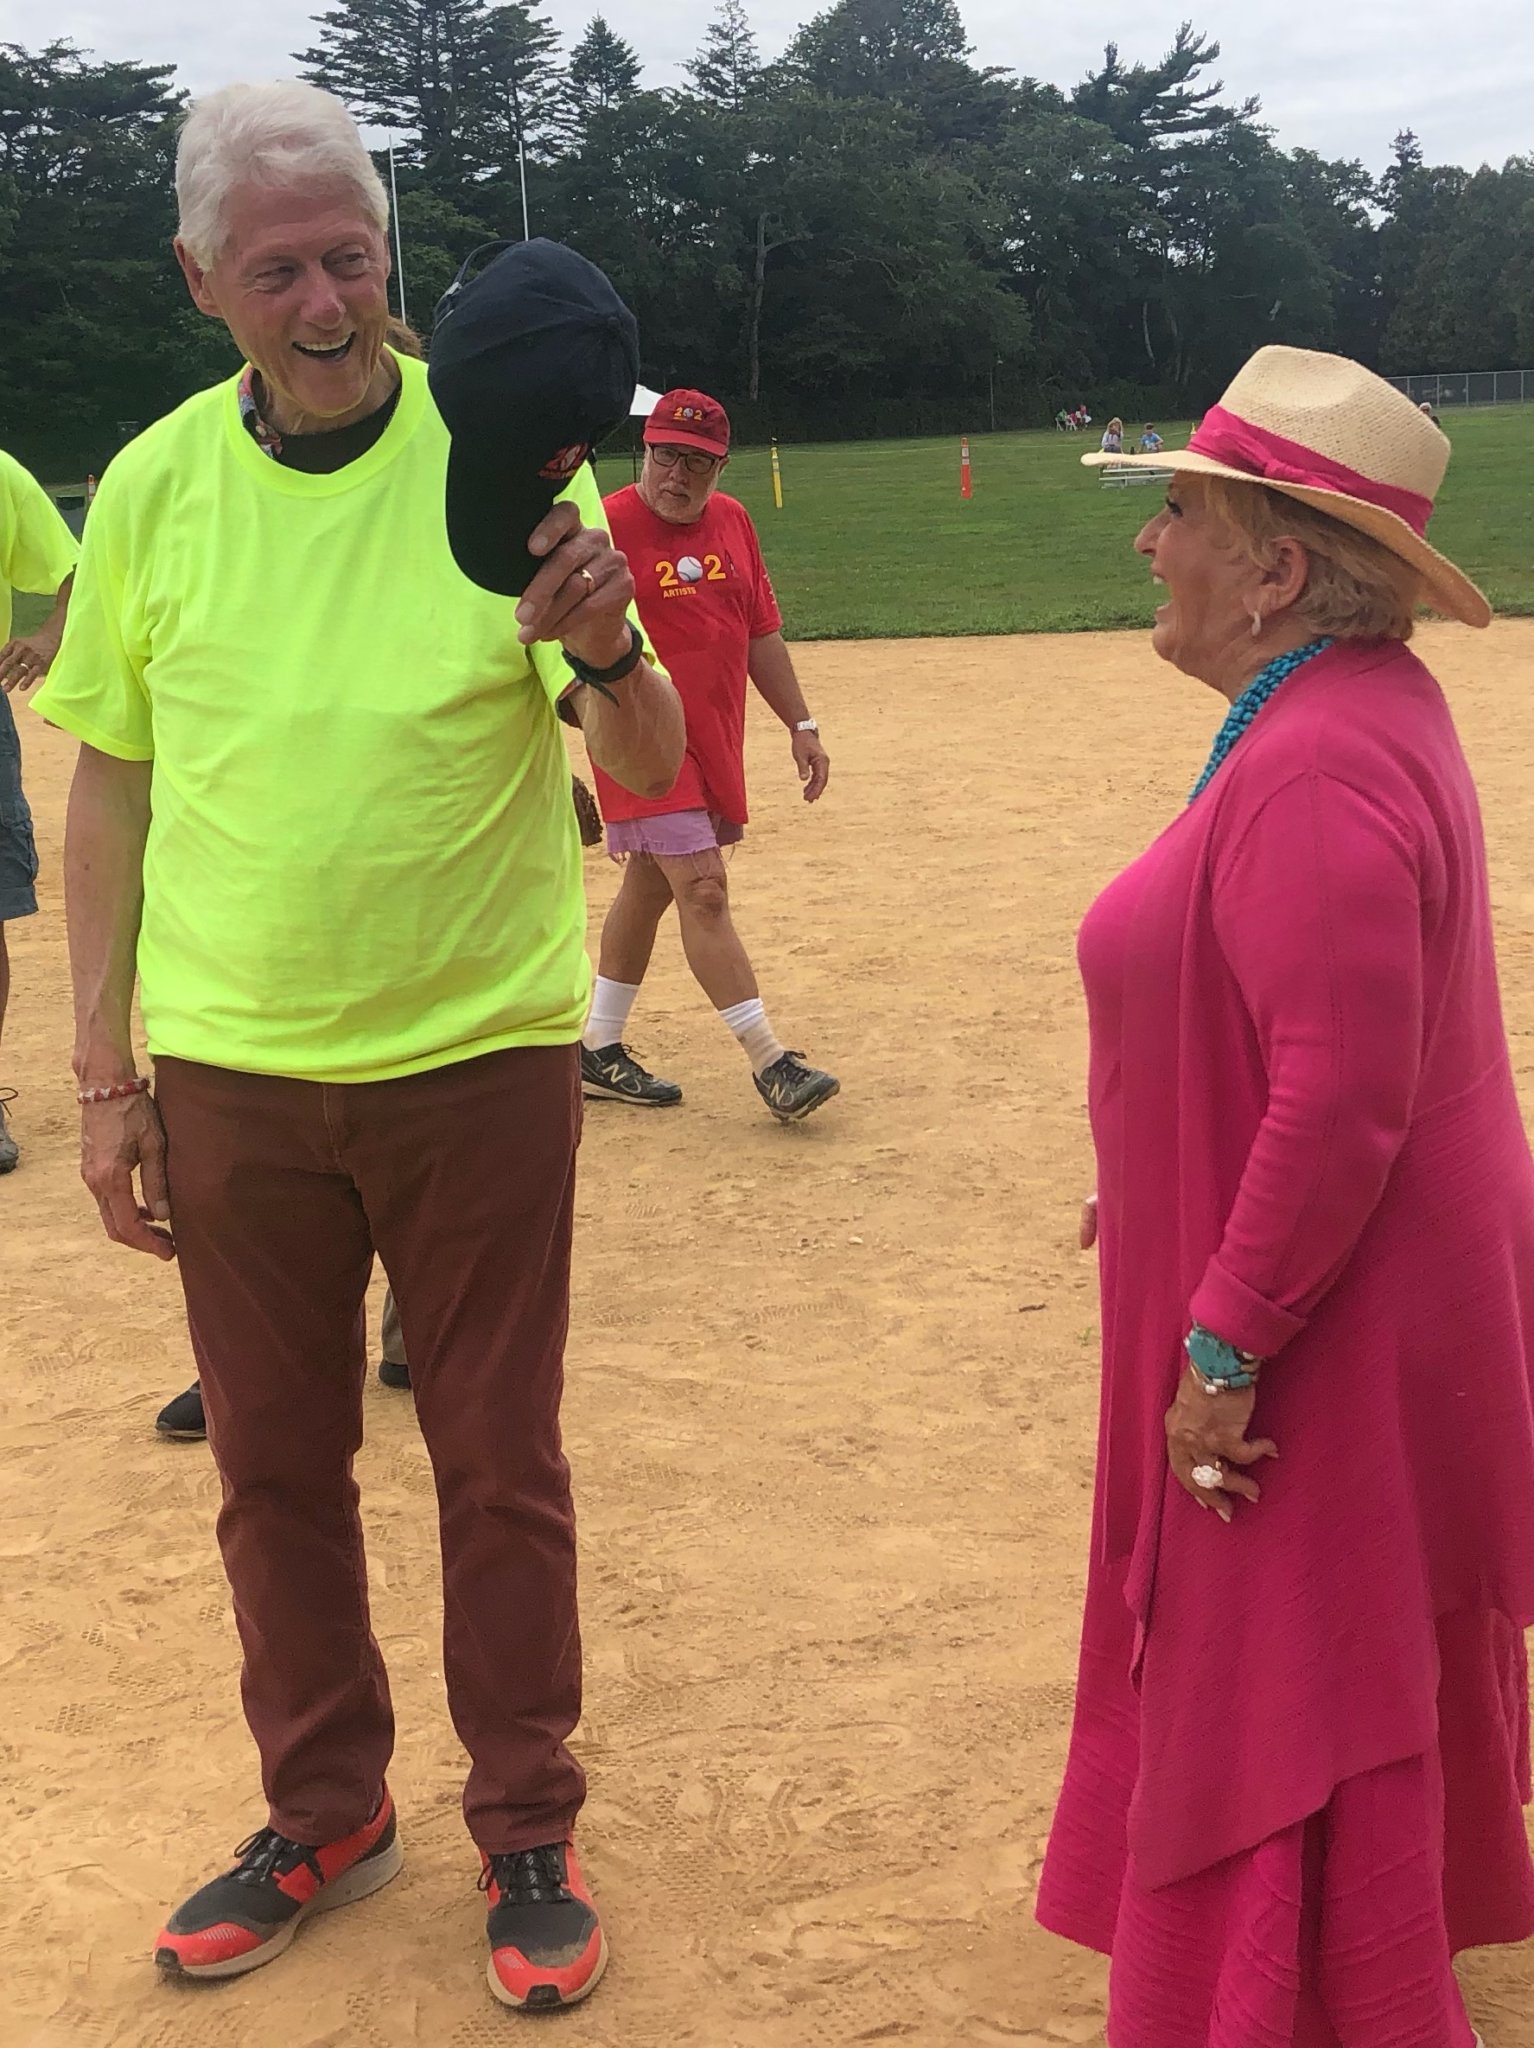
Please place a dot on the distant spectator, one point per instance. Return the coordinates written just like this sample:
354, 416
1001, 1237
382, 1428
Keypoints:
1113, 438
1426, 407
1151, 442
1063, 422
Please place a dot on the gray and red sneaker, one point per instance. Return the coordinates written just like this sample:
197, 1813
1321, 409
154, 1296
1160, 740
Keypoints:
546, 1942
248, 1916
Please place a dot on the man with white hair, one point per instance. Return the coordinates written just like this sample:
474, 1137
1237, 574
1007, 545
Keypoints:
324, 798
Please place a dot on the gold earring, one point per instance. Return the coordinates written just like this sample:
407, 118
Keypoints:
1256, 625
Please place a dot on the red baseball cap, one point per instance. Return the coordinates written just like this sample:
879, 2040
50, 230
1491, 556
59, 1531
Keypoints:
689, 419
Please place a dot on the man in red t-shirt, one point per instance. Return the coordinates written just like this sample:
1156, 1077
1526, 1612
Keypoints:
706, 602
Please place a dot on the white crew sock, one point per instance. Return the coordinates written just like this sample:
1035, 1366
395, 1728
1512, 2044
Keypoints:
608, 1017
758, 1040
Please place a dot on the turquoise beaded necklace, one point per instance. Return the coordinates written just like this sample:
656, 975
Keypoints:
1250, 702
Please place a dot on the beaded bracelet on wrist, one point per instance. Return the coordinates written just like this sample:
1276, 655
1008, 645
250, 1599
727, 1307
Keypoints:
120, 1091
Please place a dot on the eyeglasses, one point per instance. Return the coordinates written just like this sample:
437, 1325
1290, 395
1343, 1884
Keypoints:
693, 461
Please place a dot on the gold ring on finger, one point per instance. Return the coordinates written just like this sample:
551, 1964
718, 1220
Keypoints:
591, 581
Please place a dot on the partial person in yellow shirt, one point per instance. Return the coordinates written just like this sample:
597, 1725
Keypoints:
327, 621
37, 554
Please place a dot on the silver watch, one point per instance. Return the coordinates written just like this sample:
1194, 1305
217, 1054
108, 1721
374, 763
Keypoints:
807, 725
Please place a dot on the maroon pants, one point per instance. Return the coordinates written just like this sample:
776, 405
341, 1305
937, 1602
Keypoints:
462, 1180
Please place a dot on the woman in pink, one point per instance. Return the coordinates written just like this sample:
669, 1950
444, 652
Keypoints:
1301, 1747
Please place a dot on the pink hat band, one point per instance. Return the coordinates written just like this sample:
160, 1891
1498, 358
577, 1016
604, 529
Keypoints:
1268, 457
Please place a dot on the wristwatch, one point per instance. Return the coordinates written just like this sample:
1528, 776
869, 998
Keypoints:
806, 725
1221, 1368
600, 678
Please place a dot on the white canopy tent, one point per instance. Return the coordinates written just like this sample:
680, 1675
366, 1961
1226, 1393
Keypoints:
645, 402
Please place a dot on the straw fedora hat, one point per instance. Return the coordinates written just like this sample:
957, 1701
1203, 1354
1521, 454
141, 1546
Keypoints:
1329, 432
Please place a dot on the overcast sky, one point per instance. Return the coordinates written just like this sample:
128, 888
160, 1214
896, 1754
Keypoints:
1338, 78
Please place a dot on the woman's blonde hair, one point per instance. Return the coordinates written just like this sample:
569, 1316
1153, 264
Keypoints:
1356, 589
280, 134
404, 340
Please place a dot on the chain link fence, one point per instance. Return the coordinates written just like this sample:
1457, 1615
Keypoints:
1469, 387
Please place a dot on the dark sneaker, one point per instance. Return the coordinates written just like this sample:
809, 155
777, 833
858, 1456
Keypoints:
791, 1090
546, 1943
614, 1071
10, 1158
182, 1419
248, 1916
394, 1373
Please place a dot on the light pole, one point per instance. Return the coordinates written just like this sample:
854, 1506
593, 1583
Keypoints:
399, 247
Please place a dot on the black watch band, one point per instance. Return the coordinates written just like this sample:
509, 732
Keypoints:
600, 678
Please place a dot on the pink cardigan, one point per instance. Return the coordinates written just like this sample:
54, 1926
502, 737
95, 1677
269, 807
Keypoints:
1308, 1139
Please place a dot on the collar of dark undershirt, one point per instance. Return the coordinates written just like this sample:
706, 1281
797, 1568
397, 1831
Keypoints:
324, 452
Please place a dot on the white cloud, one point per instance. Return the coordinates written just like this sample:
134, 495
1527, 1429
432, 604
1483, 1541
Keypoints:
1340, 80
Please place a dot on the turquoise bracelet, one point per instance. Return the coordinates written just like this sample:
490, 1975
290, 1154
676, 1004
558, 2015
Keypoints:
1219, 1365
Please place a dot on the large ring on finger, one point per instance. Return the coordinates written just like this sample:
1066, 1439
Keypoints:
1209, 1478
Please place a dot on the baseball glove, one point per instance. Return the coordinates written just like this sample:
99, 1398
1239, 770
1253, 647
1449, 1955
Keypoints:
587, 816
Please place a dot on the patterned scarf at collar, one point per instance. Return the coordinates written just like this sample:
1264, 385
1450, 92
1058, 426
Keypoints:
265, 437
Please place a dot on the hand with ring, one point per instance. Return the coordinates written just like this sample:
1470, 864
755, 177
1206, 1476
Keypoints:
582, 593
22, 663
1207, 1445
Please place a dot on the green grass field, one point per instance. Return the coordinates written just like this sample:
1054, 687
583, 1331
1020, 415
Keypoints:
874, 540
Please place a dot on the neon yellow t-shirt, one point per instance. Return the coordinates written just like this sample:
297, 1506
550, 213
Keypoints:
37, 550
363, 859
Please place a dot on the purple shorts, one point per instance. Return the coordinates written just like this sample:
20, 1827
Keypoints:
673, 835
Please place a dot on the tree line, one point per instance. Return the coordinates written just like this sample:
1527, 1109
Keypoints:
875, 233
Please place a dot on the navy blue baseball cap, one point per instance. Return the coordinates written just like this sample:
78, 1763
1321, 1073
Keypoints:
534, 360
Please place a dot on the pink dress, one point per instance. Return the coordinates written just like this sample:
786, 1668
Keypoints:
1301, 1746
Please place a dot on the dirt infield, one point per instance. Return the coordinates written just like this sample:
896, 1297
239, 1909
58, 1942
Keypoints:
831, 1414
